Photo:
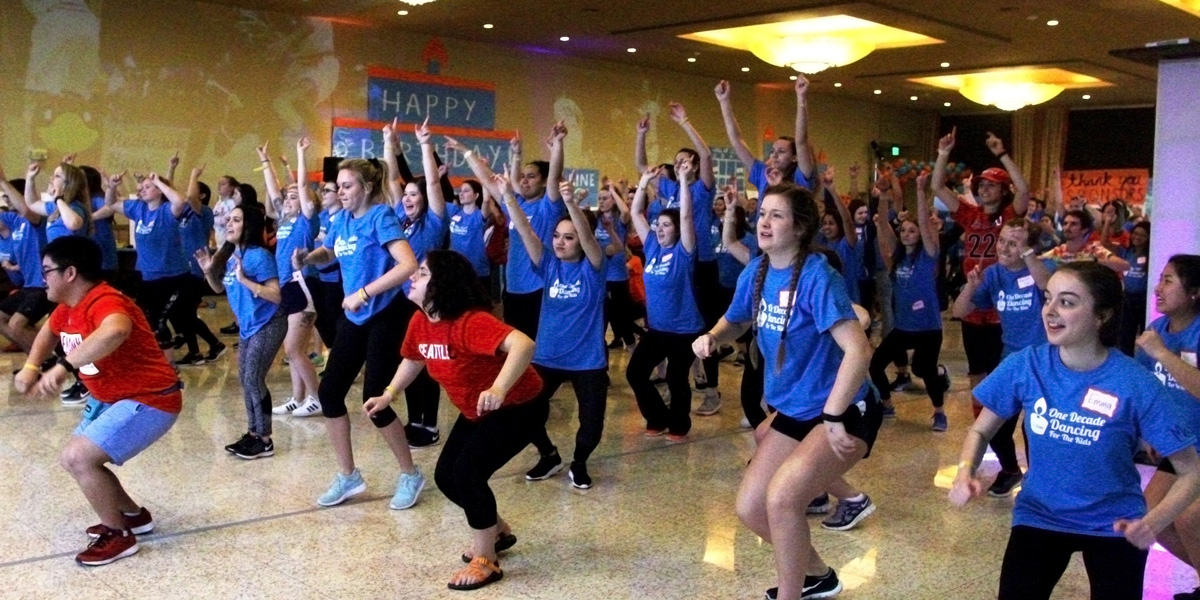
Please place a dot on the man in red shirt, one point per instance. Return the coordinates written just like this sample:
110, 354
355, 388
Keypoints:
103, 335
1002, 194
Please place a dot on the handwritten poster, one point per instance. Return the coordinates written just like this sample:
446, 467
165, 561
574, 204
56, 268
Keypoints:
1101, 185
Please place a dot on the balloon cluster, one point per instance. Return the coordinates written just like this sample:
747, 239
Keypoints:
909, 169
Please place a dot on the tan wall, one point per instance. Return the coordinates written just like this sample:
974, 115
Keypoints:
126, 83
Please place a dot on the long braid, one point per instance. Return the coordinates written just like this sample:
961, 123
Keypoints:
797, 267
759, 278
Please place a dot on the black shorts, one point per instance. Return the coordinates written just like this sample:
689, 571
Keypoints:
1166, 467
29, 302
983, 346
292, 299
860, 424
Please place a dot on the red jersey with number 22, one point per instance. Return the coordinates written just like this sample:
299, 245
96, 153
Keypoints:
136, 370
980, 233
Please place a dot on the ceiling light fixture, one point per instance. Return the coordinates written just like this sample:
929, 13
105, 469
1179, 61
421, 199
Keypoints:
813, 45
631, 49
745, 69
1013, 88
837, 85
488, 25
416, 2
878, 92
1052, 23
692, 59
945, 65
402, 13
793, 77
564, 39
913, 98
945, 104
1087, 96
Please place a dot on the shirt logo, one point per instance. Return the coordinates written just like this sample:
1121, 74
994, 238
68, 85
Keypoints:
659, 267
144, 228
345, 246
435, 351
565, 291
1037, 419
71, 341
457, 228
770, 316
1014, 302
1070, 428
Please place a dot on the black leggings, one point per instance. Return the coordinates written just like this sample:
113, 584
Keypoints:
712, 300
377, 344
159, 299
327, 299
752, 387
618, 309
592, 392
1133, 321
523, 311
475, 450
187, 321
1036, 559
650, 351
926, 345
1005, 447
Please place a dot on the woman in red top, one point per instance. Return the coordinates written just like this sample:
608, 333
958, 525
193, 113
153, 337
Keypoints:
483, 365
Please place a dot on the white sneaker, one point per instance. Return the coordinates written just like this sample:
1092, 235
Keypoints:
745, 424
286, 408
311, 407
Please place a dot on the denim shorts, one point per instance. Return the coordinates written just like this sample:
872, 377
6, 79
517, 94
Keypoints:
124, 428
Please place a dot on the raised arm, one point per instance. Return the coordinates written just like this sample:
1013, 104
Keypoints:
848, 229
679, 115
853, 174
433, 187
193, 190
391, 146
805, 161
929, 237
287, 170
520, 221
587, 236
687, 227
273, 194
729, 239
515, 147
963, 304
168, 192
112, 186
639, 145
618, 196
886, 238
29, 205
557, 135
940, 189
1020, 202
732, 129
637, 212
172, 165
481, 170
307, 207
1056, 207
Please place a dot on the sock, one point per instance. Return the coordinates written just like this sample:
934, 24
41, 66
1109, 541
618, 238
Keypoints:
859, 498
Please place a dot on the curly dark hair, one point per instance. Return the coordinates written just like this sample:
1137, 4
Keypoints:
453, 287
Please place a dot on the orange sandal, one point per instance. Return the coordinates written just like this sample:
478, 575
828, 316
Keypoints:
482, 570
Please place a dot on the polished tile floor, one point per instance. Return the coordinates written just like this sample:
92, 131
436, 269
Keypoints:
658, 524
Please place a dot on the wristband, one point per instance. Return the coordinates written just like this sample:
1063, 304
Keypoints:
468, 154
62, 360
828, 418
32, 367
363, 295
1002, 154
966, 464
389, 389
1027, 253
267, 160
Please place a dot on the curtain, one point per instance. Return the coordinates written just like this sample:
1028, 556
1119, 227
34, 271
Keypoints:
1038, 144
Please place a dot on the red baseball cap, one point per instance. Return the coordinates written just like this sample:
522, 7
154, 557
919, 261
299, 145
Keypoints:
997, 175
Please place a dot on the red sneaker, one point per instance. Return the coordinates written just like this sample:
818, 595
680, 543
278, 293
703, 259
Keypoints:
112, 545
138, 524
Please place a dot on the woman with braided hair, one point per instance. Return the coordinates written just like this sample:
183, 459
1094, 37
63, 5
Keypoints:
815, 366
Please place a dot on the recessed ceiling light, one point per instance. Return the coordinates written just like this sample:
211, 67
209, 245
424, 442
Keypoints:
692, 59
564, 39
1052, 22
631, 49
912, 97
488, 25
402, 12
945, 104
877, 92
793, 78
1087, 96
945, 65
745, 69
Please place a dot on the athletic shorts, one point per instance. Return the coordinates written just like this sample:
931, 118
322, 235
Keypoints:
862, 420
29, 302
983, 346
293, 299
124, 428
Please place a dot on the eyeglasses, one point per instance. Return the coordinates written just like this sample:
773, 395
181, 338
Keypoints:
328, 191
46, 272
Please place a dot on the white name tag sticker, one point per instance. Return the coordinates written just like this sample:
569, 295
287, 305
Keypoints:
1141, 260
1025, 281
1100, 402
1189, 358
918, 305
785, 299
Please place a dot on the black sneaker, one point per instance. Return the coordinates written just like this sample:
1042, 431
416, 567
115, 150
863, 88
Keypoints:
825, 586
215, 352
847, 515
192, 360
1004, 484
616, 345
231, 329
75, 395
740, 360
421, 437
579, 476
238, 445
546, 467
819, 506
724, 352
178, 342
901, 383
255, 448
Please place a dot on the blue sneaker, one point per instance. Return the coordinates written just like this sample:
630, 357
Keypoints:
408, 489
939, 422
343, 488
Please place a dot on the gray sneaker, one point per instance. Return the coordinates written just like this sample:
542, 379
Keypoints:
849, 514
711, 404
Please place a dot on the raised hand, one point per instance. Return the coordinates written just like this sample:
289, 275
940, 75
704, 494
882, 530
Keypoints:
678, 113
946, 143
801, 86
922, 180
683, 170
774, 176
442, 170
262, 153
197, 171
70, 158
643, 124
515, 143
854, 170
994, 144
722, 90
203, 259
32, 171
422, 132
975, 276
455, 145
389, 133
829, 171
173, 162
559, 131
567, 189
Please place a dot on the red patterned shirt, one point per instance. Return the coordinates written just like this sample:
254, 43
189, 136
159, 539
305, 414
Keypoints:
980, 233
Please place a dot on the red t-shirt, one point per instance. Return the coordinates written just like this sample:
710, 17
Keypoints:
462, 355
980, 232
136, 370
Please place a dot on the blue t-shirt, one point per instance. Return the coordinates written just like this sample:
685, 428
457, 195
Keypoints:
914, 293
1135, 277
1018, 299
851, 266
252, 313
299, 232
58, 228
1186, 345
104, 236
360, 244
332, 271
729, 269
427, 232
194, 230
615, 267
543, 216
670, 292
758, 178
27, 243
6, 253
1083, 430
159, 250
466, 237
799, 386
702, 213
571, 330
